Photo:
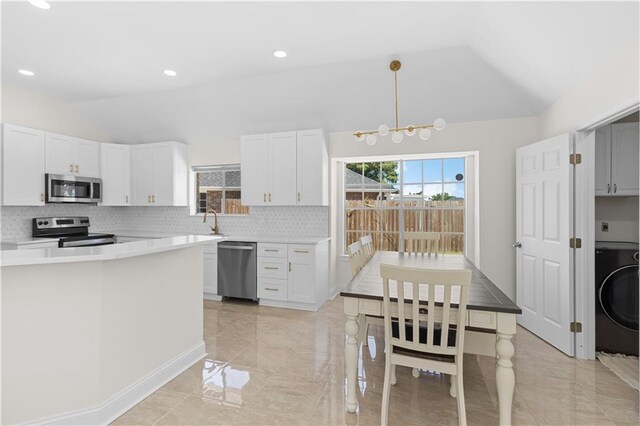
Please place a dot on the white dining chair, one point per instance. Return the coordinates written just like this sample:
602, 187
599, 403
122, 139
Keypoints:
355, 253
422, 242
431, 338
368, 250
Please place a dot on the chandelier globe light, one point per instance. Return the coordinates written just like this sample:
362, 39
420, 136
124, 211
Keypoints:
397, 135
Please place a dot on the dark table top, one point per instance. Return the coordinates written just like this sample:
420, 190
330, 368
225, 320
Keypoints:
483, 294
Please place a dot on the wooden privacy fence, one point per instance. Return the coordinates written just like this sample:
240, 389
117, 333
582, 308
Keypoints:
384, 223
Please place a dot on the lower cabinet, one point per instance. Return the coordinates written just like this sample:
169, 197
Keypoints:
293, 275
210, 270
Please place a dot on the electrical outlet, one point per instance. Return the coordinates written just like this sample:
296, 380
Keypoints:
605, 227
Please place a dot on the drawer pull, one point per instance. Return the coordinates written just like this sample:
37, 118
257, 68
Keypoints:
271, 289
274, 250
271, 267
301, 251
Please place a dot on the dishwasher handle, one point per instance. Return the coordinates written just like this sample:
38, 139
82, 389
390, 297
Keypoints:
235, 247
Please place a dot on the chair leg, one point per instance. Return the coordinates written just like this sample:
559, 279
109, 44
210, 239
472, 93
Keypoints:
453, 389
462, 414
394, 379
415, 373
386, 390
362, 336
365, 342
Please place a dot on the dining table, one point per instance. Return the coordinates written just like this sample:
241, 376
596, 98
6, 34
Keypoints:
489, 328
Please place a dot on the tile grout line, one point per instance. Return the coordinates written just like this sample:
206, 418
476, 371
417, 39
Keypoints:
174, 407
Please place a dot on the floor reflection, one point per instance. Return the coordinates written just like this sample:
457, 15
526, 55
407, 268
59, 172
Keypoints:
223, 384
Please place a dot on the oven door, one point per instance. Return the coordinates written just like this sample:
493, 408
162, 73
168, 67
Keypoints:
88, 241
69, 189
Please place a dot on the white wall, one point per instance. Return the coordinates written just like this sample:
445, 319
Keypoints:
621, 213
616, 85
496, 142
24, 108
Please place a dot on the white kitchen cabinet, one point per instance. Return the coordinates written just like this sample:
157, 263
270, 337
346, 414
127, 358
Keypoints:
23, 154
282, 169
293, 275
159, 174
616, 160
253, 169
116, 174
313, 168
285, 169
66, 155
210, 279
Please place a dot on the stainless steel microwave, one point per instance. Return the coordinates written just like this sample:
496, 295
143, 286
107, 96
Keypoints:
72, 189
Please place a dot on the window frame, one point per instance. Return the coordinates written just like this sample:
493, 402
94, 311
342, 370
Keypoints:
194, 196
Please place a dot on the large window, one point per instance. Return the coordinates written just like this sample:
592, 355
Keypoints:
387, 198
218, 188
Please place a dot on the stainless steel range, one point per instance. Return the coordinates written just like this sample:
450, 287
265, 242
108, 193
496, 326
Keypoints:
72, 231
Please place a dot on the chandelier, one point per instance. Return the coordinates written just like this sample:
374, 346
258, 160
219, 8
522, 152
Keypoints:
424, 131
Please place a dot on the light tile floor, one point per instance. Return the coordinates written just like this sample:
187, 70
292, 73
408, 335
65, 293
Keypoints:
278, 366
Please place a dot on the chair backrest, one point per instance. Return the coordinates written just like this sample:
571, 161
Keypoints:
422, 242
355, 257
367, 246
428, 329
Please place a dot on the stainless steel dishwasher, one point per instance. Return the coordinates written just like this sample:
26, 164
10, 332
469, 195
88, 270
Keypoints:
237, 269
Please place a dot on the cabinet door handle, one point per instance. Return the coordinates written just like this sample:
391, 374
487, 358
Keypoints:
71, 168
289, 266
271, 289
42, 197
298, 196
271, 268
269, 197
301, 251
153, 198
265, 197
148, 198
126, 199
615, 188
608, 188
77, 169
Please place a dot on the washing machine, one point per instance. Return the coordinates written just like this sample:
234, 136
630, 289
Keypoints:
617, 297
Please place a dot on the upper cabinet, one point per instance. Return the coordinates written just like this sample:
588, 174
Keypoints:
159, 174
115, 173
66, 155
23, 155
285, 169
616, 160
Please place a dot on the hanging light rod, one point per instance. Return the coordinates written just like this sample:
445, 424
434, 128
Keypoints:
369, 136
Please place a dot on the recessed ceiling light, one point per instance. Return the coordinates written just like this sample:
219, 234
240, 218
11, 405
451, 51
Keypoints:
279, 53
170, 73
42, 4
27, 73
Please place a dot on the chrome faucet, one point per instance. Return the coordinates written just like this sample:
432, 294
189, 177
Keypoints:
214, 228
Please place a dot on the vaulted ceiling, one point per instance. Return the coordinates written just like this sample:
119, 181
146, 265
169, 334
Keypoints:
462, 61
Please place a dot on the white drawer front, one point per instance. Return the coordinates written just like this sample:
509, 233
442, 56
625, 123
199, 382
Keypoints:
271, 288
272, 267
300, 252
482, 319
272, 250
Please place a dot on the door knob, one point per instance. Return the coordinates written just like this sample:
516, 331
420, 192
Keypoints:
517, 244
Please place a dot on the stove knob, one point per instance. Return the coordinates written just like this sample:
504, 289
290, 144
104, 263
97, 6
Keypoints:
40, 223
46, 222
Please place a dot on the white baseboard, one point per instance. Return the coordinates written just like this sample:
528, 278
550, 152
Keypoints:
133, 394
211, 296
289, 305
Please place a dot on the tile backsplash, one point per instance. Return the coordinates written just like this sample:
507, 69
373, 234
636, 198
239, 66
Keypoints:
15, 222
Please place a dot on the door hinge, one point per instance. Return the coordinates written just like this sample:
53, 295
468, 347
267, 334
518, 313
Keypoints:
575, 159
575, 243
575, 327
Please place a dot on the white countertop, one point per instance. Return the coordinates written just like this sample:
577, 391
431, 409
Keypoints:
278, 239
98, 253
21, 241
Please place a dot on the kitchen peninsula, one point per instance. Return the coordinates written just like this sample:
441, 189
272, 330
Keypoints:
89, 332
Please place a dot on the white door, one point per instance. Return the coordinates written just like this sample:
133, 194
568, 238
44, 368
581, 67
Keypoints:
162, 194
87, 158
544, 208
624, 154
141, 175
23, 155
602, 161
115, 174
312, 165
282, 170
60, 157
253, 169
301, 279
